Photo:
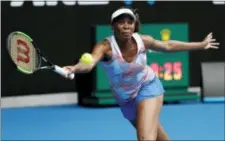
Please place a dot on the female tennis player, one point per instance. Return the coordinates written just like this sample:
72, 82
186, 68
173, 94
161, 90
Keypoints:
136, 88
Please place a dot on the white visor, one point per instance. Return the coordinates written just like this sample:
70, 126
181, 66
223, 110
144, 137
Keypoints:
122, 11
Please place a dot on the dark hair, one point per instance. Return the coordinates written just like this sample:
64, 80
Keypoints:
138, 22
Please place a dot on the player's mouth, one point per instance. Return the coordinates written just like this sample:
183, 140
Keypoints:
126, 33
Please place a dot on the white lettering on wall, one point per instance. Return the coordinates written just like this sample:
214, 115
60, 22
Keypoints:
218, 2
41, 3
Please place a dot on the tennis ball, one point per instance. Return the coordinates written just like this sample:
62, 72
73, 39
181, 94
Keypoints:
86, 58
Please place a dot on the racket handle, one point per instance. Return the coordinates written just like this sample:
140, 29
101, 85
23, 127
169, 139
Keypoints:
63, 72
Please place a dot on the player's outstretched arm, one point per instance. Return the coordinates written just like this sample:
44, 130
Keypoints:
98, 52
173, 45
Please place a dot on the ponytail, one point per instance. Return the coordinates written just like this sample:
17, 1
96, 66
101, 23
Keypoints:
138, 22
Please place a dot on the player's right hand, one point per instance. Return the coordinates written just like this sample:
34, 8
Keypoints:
69, 69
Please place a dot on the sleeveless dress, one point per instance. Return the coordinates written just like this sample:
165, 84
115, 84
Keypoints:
133, 81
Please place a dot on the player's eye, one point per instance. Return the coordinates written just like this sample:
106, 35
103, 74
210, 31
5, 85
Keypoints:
121, 21
130, 21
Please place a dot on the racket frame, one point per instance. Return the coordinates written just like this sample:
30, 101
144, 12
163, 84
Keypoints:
49, 66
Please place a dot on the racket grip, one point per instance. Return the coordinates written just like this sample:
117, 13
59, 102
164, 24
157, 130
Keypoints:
63, 72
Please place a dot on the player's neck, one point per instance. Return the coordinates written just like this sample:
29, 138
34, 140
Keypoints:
123, 43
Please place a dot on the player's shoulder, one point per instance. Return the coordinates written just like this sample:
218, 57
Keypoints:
146, 36
104, 44
147, 39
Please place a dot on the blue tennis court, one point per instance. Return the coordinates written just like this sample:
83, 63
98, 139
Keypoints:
69, 122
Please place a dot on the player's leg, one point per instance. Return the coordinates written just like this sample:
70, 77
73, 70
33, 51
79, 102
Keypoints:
161, 134
145, 109
148, 117
148, 106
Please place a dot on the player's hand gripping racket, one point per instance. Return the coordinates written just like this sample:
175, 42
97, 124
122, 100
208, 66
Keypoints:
28, 58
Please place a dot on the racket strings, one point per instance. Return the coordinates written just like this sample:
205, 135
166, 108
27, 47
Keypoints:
23, 53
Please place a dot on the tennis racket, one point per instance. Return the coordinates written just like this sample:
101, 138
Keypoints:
28, 58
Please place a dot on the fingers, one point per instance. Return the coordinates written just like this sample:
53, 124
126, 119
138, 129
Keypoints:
210, 35
214, 47
213, 40
69, 69
215, 44
208, 38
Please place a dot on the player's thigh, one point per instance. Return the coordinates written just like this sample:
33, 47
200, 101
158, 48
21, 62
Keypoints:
148, 116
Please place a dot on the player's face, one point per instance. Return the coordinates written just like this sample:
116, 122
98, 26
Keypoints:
124, 27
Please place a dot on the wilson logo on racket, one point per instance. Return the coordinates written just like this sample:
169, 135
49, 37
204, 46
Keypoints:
22, 51
28, 58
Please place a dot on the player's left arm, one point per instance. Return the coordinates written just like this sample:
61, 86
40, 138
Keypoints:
173, 45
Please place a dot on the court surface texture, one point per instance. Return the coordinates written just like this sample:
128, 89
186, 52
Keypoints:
71, 122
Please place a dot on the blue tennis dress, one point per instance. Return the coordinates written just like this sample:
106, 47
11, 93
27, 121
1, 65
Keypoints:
131, 82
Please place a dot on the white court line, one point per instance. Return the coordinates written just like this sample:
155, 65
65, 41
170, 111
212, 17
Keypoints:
39, 100
49, 99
